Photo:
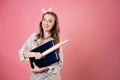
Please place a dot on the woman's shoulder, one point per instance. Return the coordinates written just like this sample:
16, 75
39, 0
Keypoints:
33, 35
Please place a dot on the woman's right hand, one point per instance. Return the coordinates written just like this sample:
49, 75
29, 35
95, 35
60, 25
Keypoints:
28, 54
37, 55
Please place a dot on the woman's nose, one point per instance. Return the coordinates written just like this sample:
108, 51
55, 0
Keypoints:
46, 22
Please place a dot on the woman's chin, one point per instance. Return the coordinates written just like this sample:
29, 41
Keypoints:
46, 30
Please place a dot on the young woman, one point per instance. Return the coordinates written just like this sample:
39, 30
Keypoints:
49, 30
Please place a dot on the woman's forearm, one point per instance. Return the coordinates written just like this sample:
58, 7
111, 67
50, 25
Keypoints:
43, 69
39, 70
28, 54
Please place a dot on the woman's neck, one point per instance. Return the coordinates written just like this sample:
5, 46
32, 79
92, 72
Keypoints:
46, 35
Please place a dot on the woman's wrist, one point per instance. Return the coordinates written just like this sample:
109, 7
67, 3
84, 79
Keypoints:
39, 70
28, 54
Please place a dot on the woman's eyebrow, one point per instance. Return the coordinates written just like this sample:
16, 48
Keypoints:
50, 19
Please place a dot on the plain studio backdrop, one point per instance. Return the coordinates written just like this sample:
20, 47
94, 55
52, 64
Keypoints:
92, 26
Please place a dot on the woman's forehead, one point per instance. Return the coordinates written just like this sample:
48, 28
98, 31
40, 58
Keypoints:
49, 17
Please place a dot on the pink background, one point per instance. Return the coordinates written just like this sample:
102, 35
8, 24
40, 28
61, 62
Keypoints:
92, 26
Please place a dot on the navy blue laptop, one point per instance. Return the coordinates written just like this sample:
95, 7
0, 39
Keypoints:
49, 59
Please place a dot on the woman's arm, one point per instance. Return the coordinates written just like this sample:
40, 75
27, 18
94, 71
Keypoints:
57, 65
37, 69
23, 52
28, 54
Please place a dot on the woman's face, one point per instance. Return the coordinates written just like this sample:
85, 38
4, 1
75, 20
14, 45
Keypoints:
48, 22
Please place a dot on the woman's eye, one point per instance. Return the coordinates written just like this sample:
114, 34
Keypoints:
50, 21
44, 19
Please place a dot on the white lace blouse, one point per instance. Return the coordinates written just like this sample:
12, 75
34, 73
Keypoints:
53, 72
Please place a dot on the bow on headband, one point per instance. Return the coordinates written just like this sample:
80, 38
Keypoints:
44, 10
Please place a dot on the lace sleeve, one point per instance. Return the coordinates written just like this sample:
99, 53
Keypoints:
26, 46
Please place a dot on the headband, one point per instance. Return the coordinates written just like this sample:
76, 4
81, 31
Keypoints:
45, 11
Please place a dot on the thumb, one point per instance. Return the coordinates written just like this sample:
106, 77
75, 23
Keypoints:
33, 63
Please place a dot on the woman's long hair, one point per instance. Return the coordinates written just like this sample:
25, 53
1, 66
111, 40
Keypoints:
54, 31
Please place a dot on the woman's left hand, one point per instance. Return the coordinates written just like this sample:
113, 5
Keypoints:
37, 69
